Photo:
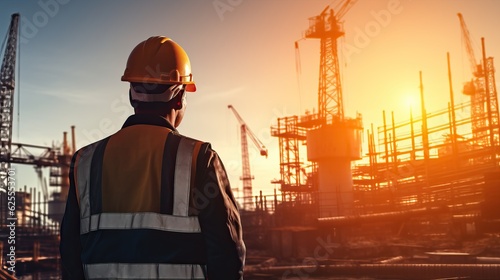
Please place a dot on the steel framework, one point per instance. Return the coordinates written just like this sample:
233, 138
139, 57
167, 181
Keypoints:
7, 86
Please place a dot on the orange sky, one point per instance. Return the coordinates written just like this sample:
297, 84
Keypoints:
242, 54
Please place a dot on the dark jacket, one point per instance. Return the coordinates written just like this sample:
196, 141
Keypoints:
140, 202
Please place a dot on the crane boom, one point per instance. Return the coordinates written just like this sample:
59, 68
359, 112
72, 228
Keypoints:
247, 175
475, 67
255, 140
344, 8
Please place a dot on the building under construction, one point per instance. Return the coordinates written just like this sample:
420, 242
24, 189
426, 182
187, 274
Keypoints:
421, 205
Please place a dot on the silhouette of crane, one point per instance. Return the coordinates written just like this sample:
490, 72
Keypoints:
247, 175
482, 91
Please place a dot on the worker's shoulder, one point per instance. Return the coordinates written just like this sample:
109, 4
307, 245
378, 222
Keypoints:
89, 148
205, 146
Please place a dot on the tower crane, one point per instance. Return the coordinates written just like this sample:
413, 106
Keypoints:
247, 175
482, 91
18, 153
333, 140
475, 87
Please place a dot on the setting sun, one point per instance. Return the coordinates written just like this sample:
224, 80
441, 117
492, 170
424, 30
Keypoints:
410, 101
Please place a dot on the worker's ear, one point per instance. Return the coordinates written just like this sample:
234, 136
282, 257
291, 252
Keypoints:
180, 100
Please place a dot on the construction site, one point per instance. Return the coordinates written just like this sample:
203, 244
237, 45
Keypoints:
420, 203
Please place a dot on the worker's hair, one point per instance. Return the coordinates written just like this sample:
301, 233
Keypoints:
174, 103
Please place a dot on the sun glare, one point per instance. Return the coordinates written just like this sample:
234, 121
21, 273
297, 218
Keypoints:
411, 101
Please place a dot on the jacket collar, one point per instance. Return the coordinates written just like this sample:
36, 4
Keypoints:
148, 119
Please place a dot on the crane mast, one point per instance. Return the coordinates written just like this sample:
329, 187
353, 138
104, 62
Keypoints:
328, 29
7, 86
246, 173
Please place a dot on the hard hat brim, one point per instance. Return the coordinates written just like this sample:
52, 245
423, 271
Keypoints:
191, 87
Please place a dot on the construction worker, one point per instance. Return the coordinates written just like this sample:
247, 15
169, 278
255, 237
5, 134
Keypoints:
148, 202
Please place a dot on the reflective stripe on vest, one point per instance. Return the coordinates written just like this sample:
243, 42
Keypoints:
143, 271
178, 222
182, 177
140, 221
82, 181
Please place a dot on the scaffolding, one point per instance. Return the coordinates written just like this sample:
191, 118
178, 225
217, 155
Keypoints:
295, 178
426, 161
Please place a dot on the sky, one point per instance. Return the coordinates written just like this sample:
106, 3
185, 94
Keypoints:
73, 53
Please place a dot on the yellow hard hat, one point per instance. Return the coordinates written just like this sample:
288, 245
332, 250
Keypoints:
159, 60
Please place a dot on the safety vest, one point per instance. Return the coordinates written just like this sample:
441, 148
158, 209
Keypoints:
134, 189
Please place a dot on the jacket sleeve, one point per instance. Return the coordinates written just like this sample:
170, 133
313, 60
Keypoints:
219, 220
70, 244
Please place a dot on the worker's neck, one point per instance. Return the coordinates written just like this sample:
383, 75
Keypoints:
170, 116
